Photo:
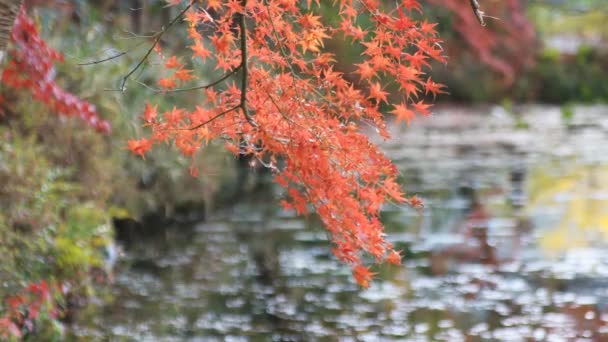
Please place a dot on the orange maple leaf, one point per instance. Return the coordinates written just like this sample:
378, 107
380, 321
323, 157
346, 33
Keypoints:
365, 70
403, 113
222, 42
150, 113
214, 4
376, 92
362, 275
393, 190
394, 258
167, 83
184, 74
422, 107
200, 51
434, 88
172, 63
140, 146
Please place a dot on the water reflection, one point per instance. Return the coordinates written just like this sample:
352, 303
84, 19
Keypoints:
511, 246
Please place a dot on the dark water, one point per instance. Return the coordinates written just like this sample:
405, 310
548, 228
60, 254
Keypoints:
511, 245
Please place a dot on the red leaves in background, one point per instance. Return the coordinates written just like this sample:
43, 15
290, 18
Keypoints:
24, 308
32, 67
506, 45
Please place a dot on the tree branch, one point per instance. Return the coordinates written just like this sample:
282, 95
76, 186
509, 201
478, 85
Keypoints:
205, 86
156, 41
243, 28
212, 119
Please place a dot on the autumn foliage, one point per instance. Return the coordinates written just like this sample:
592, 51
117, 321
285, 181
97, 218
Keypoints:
32, 209
32, 67
283, 102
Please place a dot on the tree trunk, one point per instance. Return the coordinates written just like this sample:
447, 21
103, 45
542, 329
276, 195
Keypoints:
8, 12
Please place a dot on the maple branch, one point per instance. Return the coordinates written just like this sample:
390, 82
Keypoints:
243, 28
159, 35
285, 117
478, 12
212, 119
206, 86
290, 121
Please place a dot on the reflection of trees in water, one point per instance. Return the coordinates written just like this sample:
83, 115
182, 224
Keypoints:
211, 267
264, 243
474, 228
577, 194
479, 245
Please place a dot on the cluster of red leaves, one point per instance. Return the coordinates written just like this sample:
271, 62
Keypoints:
32, 67
24, 308
306, 118
506, 45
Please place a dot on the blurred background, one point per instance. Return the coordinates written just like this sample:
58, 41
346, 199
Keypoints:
512, 166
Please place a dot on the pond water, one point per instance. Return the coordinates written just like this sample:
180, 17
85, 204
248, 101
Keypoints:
511, 245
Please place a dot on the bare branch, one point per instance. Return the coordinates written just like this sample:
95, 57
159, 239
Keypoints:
478, 12
120, 54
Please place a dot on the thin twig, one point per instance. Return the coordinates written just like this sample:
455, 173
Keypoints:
105, 59
206, 86
212, 119
285, 117
156, 41
122, 53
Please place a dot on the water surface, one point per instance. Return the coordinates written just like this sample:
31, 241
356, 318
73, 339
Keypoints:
511, 245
